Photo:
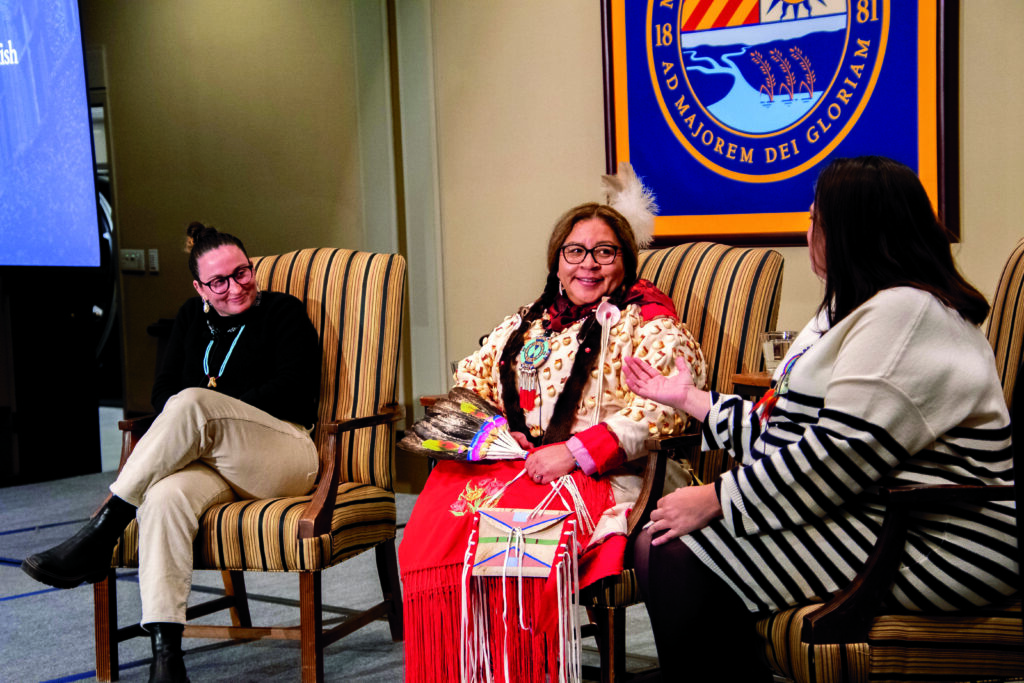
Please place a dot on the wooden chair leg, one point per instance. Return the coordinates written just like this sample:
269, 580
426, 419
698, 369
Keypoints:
104, 596
611, 641
312, 627
234, 586
387, 572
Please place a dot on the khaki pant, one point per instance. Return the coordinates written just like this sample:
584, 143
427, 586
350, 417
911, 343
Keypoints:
204, 448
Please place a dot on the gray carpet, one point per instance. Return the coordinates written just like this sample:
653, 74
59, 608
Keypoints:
47, 634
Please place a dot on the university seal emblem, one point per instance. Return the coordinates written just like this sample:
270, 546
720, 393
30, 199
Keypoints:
761, 90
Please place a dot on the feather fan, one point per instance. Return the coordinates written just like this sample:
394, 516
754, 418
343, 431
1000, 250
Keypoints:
462, 426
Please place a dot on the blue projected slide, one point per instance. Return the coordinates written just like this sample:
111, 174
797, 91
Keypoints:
47, 185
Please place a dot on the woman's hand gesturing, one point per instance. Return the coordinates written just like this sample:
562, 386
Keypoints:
677, 391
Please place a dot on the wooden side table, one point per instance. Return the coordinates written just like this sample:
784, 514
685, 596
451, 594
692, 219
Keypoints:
751, 385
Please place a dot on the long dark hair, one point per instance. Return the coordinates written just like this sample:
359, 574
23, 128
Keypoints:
880, 231
560, 424
201, 238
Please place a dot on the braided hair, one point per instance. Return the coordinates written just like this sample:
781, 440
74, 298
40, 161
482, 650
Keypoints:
560, 424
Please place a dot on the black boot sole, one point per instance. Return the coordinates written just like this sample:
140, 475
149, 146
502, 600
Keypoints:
29, 566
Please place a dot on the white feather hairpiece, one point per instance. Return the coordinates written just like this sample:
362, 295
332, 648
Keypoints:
628, 195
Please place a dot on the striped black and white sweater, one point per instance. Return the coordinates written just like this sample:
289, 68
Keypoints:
902, 391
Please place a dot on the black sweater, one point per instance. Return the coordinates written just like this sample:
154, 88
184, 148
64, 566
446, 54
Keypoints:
275, 366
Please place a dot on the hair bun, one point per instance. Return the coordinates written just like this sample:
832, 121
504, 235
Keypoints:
196, 232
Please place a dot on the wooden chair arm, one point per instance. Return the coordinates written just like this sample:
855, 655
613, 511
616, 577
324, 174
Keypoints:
847, 616
392, 413
660, 449
131, 431
136, 424
316, 519
682, 443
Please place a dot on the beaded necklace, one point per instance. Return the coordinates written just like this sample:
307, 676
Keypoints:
767, 403
212, 383
531, 358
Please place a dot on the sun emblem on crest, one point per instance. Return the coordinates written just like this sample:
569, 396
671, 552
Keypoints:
795, 5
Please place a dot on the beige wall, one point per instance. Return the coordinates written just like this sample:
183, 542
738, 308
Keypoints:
992, 142
520, 139
239, 114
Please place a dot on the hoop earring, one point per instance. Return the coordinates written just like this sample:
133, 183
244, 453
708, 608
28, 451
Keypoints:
206, 306
561, 289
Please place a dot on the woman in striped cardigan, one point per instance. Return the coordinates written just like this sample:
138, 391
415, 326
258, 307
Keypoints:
892, 383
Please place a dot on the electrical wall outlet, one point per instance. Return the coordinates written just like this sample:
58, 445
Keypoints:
154, 261
133, 260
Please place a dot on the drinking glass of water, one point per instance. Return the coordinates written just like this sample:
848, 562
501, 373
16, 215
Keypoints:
774, 346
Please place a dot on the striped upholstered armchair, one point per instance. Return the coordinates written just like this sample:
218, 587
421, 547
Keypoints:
847, 639
355, 300
726, 296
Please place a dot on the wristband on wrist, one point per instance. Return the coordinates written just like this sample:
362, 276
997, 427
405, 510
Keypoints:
581, 455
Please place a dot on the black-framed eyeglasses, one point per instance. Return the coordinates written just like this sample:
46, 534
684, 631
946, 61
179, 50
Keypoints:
220, 284
603, 254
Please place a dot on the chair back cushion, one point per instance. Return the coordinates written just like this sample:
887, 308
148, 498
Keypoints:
356, 301
725, 295
1005, 329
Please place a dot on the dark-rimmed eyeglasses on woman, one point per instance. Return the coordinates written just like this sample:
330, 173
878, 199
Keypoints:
220, 284
603, 254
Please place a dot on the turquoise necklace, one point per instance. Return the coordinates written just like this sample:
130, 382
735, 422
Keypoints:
212, 383
531, 358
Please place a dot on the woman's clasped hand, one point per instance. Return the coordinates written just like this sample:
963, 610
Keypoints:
683, 511
547, 463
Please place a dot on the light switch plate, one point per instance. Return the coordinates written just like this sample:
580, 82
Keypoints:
133, 260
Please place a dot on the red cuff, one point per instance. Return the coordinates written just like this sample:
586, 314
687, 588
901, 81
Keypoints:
603, 448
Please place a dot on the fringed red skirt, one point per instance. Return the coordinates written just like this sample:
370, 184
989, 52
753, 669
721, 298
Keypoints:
431, 558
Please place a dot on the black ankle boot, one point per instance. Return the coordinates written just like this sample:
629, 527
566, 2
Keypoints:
168, 661
86, 555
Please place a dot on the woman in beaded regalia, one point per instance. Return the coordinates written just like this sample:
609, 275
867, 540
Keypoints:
554, 369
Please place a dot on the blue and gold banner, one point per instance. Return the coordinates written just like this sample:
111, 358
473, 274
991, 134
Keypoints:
729, 108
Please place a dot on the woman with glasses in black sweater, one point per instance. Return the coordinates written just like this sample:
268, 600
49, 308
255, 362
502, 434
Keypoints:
237, 396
